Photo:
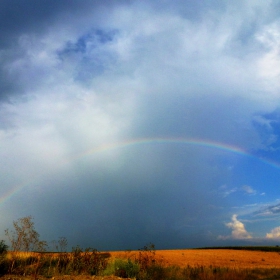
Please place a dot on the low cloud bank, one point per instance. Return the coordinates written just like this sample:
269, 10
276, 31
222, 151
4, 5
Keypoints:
239, 232
274, 234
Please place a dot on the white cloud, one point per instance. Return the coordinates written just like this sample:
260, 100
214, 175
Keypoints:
228, 192
248, 189
274, 234
238, 230
269, 210
244, 189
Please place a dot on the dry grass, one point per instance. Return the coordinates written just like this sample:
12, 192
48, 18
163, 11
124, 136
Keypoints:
23, 255
211, 257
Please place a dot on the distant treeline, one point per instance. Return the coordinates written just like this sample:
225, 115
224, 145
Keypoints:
248, 248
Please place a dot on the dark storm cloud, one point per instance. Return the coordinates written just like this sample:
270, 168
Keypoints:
35, 19
17, 19
21, 17
27, 22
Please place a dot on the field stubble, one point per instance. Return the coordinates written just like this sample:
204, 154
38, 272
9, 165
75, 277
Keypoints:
211, 257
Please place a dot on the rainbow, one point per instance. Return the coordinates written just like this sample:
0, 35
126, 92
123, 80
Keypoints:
11, 192
186, 141
146, 141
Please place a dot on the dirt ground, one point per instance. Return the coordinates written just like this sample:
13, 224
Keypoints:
67, 277
216, 257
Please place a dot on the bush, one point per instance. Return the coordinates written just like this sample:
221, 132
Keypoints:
89, 261
126, 268
122, 268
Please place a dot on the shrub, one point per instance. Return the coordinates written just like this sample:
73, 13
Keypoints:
89, 261
146, 256
126, 268
122, 268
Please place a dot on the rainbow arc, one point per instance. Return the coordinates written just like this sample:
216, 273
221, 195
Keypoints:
146, 141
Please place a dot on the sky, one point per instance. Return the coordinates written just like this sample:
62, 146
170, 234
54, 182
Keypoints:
129, 122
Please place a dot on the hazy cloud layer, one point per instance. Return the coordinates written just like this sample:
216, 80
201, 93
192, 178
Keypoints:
269, 210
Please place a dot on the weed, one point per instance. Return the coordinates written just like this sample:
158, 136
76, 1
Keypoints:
146, 256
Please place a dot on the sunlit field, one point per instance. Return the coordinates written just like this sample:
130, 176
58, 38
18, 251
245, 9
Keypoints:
212, 257
144, 264
192, 257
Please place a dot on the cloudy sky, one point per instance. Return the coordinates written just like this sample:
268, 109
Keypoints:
128, 122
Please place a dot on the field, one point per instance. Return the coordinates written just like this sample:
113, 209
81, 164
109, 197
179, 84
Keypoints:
212, 257
145, 264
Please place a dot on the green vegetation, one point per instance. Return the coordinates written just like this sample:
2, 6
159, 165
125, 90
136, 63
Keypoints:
122, 268
28, 257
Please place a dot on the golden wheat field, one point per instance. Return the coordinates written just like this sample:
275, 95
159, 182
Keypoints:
211, 257
204, 257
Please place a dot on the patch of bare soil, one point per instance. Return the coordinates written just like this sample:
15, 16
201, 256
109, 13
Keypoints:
66, 277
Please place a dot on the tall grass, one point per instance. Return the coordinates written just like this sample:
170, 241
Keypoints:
88, 262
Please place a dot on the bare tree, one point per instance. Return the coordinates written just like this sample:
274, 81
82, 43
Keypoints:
24, 237
63, 244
